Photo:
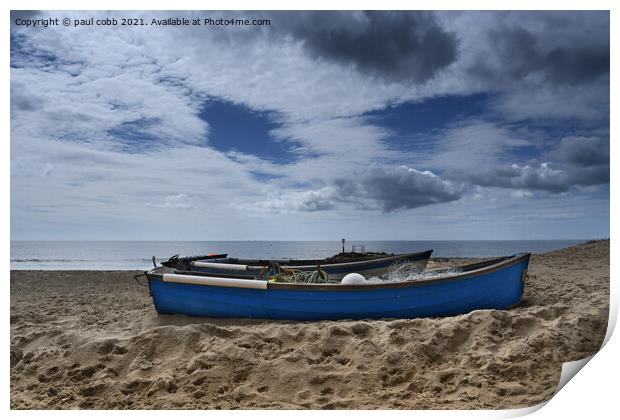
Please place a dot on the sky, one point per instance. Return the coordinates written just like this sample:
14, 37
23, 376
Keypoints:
316, 126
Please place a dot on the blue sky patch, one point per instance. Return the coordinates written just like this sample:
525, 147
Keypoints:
238, 128
262, 176
412, 118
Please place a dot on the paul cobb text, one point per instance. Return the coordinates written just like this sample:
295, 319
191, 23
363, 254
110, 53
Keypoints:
113, 21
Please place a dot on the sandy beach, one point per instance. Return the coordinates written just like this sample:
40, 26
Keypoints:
88, 339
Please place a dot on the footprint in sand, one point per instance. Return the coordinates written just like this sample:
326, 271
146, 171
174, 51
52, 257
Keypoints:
327, 391
92, 390
134, 386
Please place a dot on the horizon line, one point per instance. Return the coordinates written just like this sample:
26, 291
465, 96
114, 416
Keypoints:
302, 240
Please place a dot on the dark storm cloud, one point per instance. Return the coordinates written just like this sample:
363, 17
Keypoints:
517, 53
399, 46
583, 151
579, 162
575, 65
585, 159
397, 188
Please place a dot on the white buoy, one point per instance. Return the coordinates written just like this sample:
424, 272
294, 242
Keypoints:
353, 278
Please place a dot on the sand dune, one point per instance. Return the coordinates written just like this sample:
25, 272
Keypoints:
93, 340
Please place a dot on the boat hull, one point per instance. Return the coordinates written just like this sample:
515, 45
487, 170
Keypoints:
335, 271
495, 288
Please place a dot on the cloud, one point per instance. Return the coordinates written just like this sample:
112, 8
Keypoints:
543, 65
398, 188
105, 121
539, 48
114, 112
22, 99
580, 162
468, 146
176, 201
352, 139
380, 188
545, 103
399, 46
521, 194
296, 201
526, 177
583, 151
520, 54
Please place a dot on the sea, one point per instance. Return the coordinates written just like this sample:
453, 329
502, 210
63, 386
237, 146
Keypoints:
137, 255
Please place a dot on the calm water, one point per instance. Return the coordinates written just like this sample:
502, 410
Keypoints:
136, 255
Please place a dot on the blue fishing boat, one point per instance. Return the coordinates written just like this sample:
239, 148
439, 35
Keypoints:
493, 284
367, 264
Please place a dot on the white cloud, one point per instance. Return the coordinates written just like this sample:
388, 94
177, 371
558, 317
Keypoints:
177, 201
581, 103
522, 194
470, 145
294, 202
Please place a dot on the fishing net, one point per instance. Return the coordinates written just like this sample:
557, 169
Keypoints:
298, 276
402, 271
273, 272
397, 272
407, 271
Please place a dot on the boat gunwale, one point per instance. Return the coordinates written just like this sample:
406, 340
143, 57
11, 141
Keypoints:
389, 258
499, 264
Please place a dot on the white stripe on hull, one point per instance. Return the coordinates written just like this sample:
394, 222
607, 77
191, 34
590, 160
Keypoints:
215, 281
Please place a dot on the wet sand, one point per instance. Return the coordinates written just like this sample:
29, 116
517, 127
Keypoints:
92, 339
